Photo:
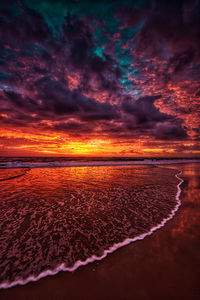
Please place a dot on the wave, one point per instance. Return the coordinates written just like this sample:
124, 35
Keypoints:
63, 267
55, 164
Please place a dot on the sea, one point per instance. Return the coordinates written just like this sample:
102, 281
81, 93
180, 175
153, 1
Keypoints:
57, 214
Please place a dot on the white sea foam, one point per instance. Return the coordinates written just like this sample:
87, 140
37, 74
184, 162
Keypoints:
54, 164
62, 267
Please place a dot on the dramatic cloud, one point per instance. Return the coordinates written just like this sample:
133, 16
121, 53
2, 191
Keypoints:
115, 72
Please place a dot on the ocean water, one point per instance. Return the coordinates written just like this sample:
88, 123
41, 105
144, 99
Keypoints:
51, 162
54, 219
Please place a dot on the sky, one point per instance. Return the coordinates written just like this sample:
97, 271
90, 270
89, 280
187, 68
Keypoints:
103, 78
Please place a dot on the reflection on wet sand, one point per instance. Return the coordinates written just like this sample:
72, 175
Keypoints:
61, 218
165, 265
189, 217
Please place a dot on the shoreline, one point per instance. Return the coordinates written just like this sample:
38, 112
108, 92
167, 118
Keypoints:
164, 265
57, 164
110, 250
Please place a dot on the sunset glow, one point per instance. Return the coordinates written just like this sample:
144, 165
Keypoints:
112, 79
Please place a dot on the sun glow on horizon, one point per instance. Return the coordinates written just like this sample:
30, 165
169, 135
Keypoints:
19, 143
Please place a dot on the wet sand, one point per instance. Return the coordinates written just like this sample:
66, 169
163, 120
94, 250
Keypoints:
165, 265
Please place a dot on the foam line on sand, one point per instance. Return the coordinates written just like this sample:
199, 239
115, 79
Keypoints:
62, 267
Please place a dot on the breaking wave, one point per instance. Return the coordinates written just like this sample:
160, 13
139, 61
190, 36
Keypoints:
58, 220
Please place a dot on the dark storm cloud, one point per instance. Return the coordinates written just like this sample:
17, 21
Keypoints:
170, 131
81, 57
147, 118
54, 100
130, 16
79, 34
25, 103
27, 40
144, 110
173, 25
142, 118
60, 104
37, 63
20, 26
62, 101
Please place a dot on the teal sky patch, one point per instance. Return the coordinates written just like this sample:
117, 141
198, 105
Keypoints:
105, 23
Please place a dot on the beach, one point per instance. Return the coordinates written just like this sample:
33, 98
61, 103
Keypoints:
99, 150
164, 265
